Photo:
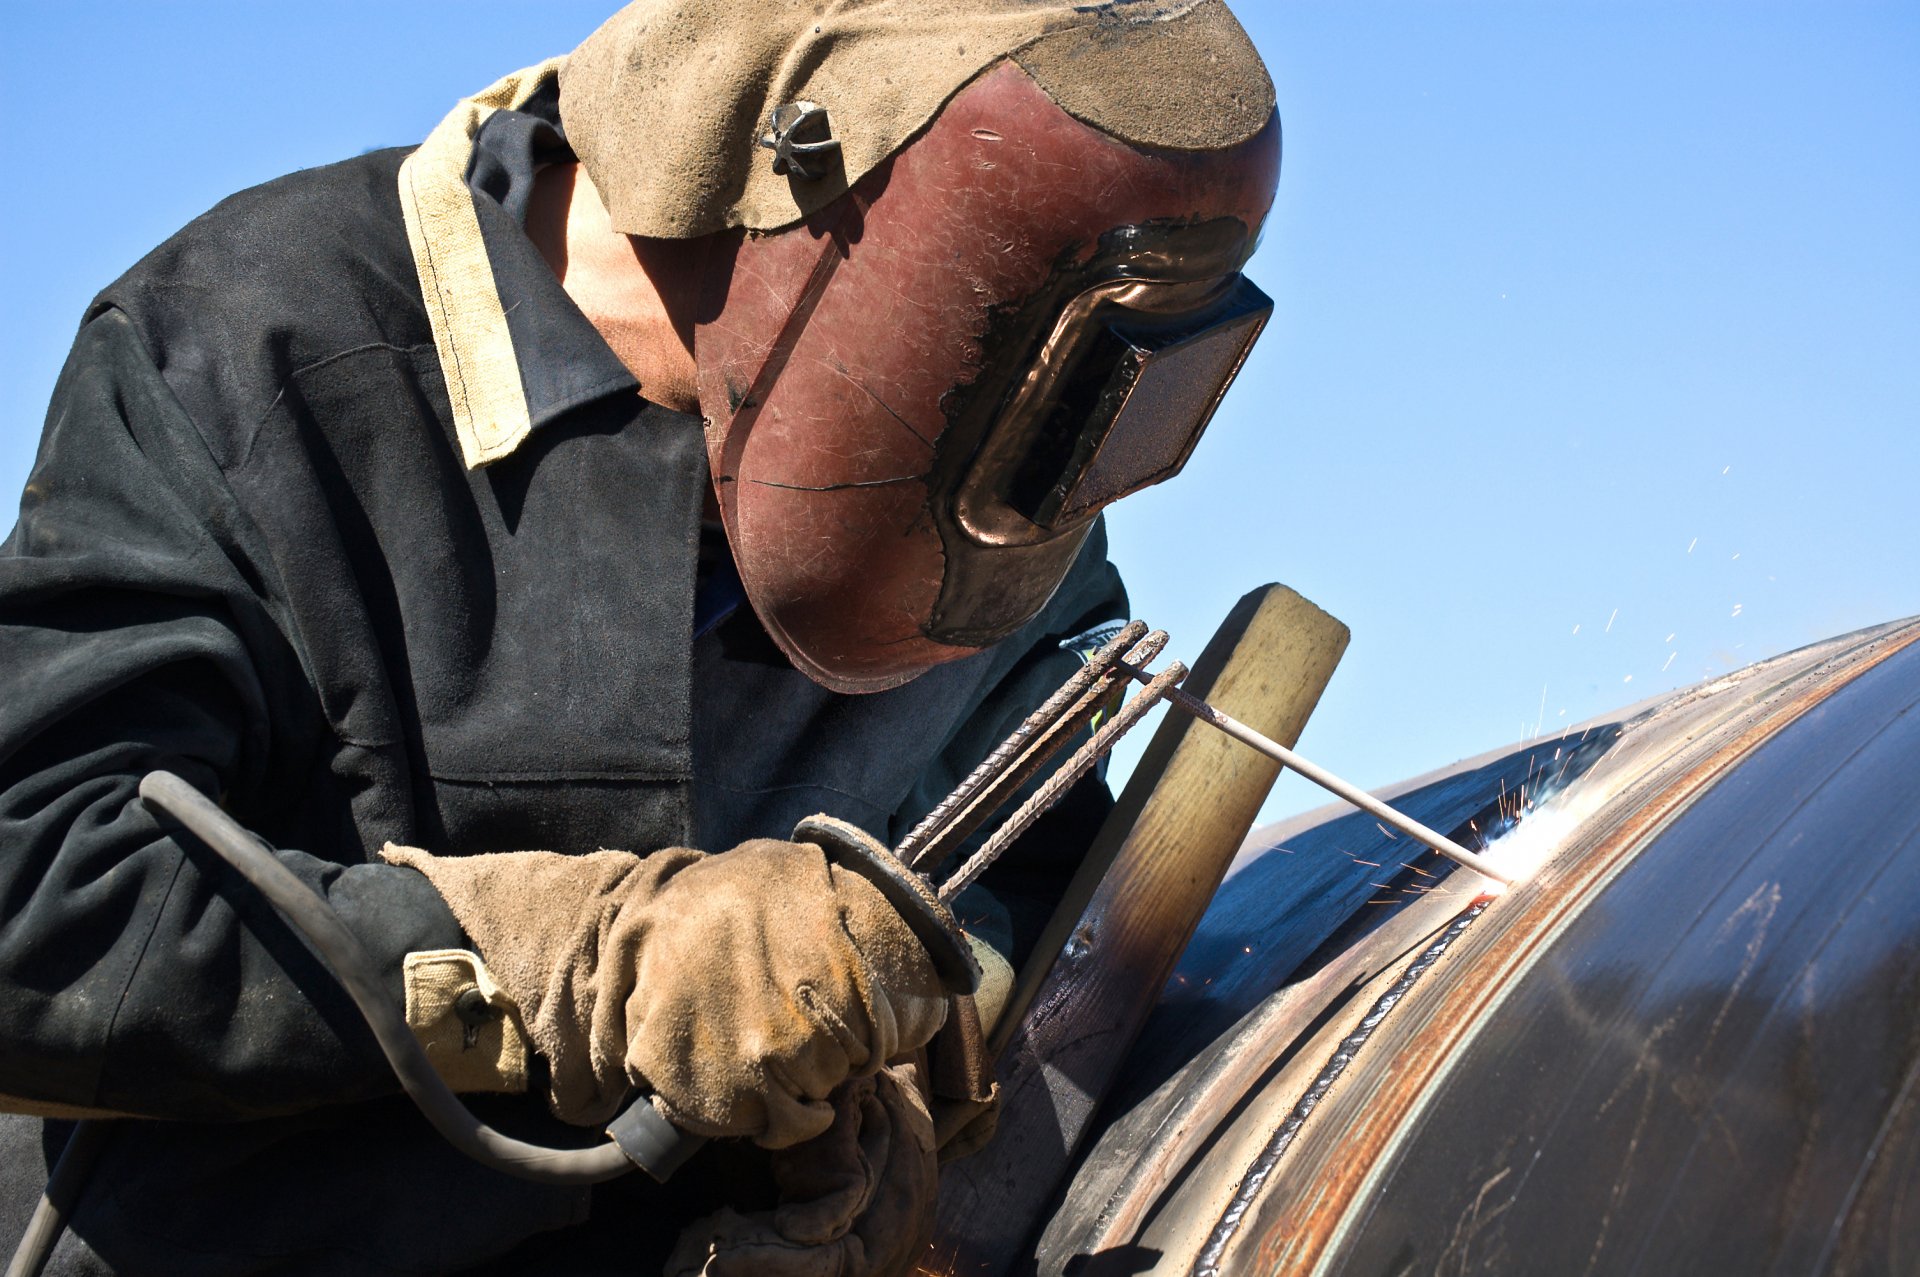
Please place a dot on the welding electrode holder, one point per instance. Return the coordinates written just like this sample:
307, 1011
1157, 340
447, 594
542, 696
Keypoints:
660, 1147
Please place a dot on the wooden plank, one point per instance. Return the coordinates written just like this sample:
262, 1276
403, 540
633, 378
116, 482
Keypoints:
1125, 920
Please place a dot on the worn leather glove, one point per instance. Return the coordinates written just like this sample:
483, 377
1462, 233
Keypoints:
857, 1201
961, 1091
740, 988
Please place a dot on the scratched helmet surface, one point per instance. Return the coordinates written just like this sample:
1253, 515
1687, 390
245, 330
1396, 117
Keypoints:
983, 280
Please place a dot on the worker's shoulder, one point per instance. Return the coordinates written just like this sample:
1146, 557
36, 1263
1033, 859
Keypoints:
286, 276
301, 264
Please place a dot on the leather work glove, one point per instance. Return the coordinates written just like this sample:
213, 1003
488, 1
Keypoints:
961, 1092
740, 988
857, 1201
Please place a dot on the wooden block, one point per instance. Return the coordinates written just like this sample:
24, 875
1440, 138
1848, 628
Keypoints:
1129, 913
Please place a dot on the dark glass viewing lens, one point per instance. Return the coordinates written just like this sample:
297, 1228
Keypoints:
1135, 403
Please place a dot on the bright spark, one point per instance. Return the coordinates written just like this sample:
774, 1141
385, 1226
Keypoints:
1530, 843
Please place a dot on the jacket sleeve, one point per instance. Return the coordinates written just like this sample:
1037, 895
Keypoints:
137, 974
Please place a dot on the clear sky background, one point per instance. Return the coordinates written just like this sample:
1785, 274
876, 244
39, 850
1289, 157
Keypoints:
1596, 364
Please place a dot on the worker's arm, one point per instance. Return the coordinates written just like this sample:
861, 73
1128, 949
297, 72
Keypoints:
137, 632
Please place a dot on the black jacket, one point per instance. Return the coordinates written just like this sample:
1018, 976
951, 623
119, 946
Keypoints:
249, 552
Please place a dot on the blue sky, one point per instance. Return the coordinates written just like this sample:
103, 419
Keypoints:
1598, 323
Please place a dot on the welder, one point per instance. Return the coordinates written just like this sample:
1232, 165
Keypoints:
701, 431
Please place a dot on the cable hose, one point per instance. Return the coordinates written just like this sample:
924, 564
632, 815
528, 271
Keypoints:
317, 924
658, 1146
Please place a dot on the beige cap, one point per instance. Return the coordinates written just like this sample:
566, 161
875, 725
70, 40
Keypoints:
665, 104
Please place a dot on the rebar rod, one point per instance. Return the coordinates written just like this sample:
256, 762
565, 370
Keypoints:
1044, 746
1069, 773
1037, 743
912, 848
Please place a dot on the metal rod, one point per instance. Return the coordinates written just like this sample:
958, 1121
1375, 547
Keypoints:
1325, 779
917, 848
1070, 772
1044, 734
49, 1219
1040, 749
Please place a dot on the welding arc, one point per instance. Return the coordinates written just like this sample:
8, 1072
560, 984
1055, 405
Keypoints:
1325, 779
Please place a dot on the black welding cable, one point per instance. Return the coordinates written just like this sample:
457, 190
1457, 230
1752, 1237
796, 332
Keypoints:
315, 922
323, 931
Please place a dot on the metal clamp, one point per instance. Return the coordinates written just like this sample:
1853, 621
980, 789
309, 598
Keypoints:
802, 141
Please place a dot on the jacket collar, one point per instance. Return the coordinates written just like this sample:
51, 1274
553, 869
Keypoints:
514, 349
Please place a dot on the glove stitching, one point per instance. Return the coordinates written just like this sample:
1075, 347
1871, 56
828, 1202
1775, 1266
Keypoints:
824, 1017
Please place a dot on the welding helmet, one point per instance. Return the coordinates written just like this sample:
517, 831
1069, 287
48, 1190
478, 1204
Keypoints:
986, 282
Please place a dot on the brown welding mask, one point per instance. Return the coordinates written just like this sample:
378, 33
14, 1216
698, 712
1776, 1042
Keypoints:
987, 283
919, 398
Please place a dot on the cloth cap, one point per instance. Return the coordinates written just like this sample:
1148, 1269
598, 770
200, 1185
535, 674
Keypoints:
665, 103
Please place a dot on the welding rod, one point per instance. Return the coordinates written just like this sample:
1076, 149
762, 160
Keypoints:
1325, 779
